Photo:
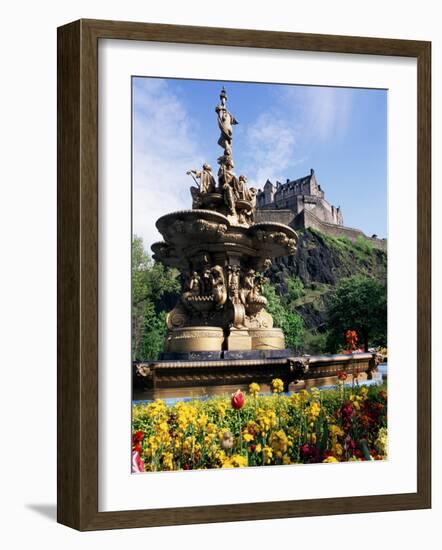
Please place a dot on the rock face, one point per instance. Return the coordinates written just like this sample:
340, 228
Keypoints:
319, 263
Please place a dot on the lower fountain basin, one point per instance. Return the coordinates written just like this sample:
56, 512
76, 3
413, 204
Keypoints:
224, 374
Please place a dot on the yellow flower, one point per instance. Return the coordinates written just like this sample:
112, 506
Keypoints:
202, 421
220, 457
295, 399
363, 392
167, 459
337, 449
254, 389
247, 437
221, 409
312, 412
211, 428
277, 385
156, 408
268, 453
279, 441
381, 442
235, 461
330, 459
239, 461
189, 444
335, 431
266, 420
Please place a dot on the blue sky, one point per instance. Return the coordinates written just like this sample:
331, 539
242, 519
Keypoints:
283, 131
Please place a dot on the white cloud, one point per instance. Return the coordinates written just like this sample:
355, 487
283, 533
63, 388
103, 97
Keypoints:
322, 112
164, 148
270, 148
276, 142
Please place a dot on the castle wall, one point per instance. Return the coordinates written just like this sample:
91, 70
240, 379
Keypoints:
306, 219
275, 215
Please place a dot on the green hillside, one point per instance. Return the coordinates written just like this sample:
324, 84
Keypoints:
307, 282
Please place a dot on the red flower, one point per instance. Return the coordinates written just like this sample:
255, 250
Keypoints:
305, 451
137, 438
342, 375
237, 400
351, 337
309, 453
347, 410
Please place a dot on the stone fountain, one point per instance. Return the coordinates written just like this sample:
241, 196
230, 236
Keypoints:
222, 255
220, 334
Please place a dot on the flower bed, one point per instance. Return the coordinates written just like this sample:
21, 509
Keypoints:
338, 425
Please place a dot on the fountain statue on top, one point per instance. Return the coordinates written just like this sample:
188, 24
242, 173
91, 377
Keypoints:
231, 195
222, 256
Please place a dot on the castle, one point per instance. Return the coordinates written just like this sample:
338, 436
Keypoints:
298, 195
301, 204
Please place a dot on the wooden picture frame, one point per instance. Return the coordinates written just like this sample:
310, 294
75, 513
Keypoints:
78, 273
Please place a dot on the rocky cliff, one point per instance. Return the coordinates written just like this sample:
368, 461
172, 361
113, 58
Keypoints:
307, 279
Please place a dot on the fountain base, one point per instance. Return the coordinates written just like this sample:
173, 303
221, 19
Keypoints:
218, 373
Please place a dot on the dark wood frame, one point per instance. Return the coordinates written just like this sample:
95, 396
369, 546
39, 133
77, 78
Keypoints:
78, 273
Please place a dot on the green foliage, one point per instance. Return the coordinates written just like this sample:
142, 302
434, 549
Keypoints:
315, 342
295, 289
290, 322
154, 334
293, 327
275, 307
363, 245
150, 282
361, 249
359, 303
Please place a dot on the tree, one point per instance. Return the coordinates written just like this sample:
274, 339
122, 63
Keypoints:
360, 304
290, 322
150, 282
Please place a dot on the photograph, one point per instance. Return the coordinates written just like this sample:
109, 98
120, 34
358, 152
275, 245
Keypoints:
259, 274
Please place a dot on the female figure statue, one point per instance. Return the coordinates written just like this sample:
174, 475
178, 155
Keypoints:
225, 122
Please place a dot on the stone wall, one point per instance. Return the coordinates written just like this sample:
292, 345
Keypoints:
306, 219
275, 215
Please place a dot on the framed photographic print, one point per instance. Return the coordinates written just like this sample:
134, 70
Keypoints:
243, 274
